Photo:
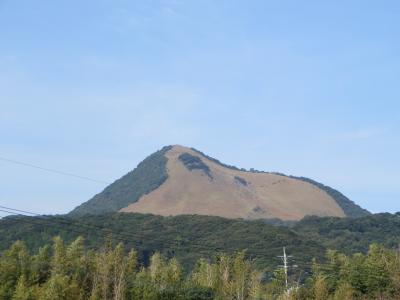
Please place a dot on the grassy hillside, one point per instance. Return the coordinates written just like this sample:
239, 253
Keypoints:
186, 237
197, 185
351, 209
157, 171
352, 235
148, 176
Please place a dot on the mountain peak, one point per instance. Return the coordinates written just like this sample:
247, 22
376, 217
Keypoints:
181, 180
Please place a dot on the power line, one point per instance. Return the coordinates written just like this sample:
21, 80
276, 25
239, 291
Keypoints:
23, 211
48, 222
77, 223
125, 237
16, 162
32, 220
69, 221
85, 228
121, 236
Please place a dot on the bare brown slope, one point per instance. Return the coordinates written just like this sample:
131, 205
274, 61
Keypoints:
232, 194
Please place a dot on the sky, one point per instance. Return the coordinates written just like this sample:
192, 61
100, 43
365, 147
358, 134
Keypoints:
307, 88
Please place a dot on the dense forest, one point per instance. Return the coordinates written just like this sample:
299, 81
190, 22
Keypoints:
188, 238
352, 235
60, 272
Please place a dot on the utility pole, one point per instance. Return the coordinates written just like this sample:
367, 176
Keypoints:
284, 258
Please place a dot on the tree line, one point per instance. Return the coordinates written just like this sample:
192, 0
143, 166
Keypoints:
188, 238
61, 271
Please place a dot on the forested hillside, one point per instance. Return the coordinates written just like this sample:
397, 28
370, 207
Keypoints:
187, 238
191, 237
362, 272
352, 235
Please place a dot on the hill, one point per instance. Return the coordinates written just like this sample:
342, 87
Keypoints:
66, 271
186, 237
352, 235
190, 237
178, 180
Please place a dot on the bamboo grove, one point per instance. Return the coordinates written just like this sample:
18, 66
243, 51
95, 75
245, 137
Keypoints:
59, 271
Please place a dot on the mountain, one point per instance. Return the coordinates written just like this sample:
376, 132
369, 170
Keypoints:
177, 180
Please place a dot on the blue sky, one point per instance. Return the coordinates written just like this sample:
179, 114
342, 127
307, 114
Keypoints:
307, 88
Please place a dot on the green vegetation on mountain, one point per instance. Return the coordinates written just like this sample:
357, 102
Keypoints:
186, 237
352, 235
351, 209
217, 161
241, 180
192, 162
147, 176
193, 237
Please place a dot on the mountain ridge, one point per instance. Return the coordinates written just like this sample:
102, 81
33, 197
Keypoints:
173, 181
349, 207
135, 183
